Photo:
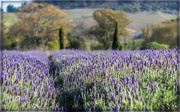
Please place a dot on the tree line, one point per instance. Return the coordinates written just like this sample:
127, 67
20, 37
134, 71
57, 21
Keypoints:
44, 26
165, 33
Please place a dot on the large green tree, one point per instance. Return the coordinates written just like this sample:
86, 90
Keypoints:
39, 21
106, 20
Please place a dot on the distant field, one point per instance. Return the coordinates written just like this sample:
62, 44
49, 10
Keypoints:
144, 18
79, 13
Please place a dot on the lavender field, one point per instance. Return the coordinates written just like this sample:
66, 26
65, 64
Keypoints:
108, 80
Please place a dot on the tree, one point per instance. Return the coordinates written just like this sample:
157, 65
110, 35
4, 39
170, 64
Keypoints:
146, 33
23, 4
76, 42
39, 20
116, 39
10, 8
106, 20
61, 39
166, 33
7, 43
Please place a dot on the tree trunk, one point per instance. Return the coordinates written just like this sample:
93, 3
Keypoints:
124, 42
18, 45
37, 42
45, 45
133, 44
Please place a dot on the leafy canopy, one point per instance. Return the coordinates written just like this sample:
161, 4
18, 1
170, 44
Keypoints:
106, 19
39, 20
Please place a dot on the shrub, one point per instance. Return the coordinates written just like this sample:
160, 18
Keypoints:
154, 45
28, 43
76, 42
98, 46
53, 45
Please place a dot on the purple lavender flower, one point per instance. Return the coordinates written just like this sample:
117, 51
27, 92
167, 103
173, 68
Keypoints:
162, 90
175, 82
132, 87
132, 92
121, 95
129, 101
117, 90
152, 87
112, 96
62, 108
108, 95
27, 104
94, 100
142, 99
137, 95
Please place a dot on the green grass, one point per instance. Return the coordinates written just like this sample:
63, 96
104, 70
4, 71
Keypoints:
78, 13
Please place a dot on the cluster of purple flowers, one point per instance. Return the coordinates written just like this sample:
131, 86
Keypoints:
82, 80
122, 78
25, 81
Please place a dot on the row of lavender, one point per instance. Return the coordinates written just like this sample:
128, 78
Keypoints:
26, 83
100, 80
116, 80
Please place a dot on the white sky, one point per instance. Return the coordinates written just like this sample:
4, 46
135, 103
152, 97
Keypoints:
15, 3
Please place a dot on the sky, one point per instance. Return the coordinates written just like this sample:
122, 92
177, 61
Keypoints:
5, 4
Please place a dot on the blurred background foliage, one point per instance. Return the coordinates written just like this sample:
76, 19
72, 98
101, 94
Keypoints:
35, 26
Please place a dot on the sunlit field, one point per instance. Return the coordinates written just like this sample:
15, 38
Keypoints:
106, 80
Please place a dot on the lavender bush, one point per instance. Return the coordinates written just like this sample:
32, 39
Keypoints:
117, 80
25, 82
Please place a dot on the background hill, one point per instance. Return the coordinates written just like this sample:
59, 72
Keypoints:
131, 7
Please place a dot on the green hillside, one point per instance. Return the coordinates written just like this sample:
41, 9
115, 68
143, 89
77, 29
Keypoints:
131, 7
